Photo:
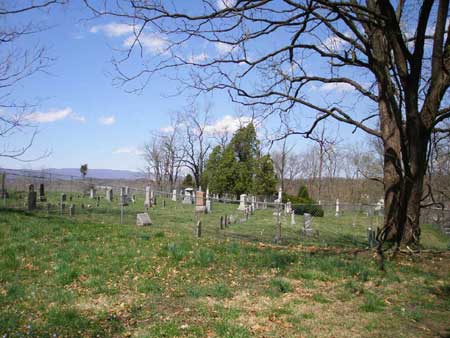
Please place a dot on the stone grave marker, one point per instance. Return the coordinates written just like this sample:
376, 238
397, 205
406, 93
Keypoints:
188, 196
174, 195
92, 193
32, 197
200, 202
242, 202
143, 219
72, 209
109, 194
307, 225
42, 193
147, 202
293, 218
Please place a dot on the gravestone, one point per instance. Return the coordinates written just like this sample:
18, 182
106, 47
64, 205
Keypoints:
98, 201
42, 193
293, 218
200, 202
123, 196
208, 206
143, 219
133, 198
379, 208
337, 208
109, 194
280, 196
288, 208
127, 190
174, 195
188, 196
32, 197
198, 229
147, 197
307, 225
242, 202
92, 193
265, 204
72, 210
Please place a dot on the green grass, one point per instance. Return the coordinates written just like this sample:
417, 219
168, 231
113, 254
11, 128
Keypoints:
89, 276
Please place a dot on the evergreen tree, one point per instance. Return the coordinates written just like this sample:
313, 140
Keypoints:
265, 180
188, 181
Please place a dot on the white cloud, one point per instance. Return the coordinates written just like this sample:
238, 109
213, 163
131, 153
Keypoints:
128, 150
223, 48
54, 115
336, 87
113, 29
167, 129
198, 58
334, 43
222, 4
228, 124
107, 120
151, 43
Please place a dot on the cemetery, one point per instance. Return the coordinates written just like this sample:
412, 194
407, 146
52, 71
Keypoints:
225, 169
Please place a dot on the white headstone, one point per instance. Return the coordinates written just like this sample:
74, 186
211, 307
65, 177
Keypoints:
147, 197
307, 224
92, 193
188, 196
208, 206
143, 219
109, 194
337, 207
242, 202
288, 208
174, 195
293, 218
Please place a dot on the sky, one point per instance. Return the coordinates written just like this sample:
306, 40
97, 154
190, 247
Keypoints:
82, 117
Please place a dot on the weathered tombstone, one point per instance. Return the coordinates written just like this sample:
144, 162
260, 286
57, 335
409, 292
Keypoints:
188, 196
221, 222
280, 196
288, 208
133, 198
143, 219
208, 206
127, 190
152, 198
32, 196
147, 197
123, 196
242, 202
109, 194
174, 195
98, 201
72, 209
200, 202
91, 193
307, 225
379, 208
337, 207
42, 193
293, 218
63, 197
230, 219
265, 204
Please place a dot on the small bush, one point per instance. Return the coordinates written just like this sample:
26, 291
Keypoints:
312, 209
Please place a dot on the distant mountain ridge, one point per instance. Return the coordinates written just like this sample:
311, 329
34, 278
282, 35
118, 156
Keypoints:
111, 174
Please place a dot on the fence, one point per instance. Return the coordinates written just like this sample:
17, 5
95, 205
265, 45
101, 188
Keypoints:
252, 219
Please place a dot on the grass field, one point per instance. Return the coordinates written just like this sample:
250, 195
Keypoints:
89, 276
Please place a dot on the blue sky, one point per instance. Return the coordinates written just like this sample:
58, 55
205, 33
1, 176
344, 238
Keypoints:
82, 117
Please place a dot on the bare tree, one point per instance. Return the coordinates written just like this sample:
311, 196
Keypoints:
281, 161
197, 141
395, 57
17, 64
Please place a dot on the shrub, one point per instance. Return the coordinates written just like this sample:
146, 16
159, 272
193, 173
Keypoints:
313, 210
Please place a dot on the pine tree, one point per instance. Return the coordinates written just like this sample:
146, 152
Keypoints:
265, 180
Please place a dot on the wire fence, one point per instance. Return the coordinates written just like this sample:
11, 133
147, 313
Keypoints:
194, 214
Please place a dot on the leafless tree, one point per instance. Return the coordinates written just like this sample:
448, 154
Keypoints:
164, 154
17, 64
197, 140
394, 55
281, 159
